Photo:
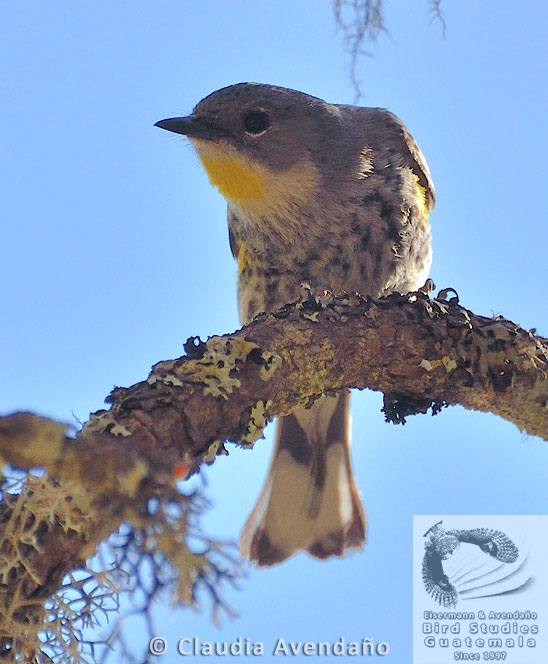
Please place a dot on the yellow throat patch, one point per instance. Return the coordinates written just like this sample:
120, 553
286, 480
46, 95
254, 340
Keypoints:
257, 194
234, 176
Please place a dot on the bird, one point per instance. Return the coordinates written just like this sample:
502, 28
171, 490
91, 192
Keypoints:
330, 195
441, 544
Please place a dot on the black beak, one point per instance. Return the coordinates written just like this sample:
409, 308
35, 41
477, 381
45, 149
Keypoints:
191, 126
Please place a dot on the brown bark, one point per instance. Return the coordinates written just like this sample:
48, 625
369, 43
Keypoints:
430, 351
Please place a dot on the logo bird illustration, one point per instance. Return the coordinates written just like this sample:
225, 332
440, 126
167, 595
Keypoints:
441, 544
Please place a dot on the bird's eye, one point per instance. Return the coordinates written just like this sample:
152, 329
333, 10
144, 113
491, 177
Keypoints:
256, 123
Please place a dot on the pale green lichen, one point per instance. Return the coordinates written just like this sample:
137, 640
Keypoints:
119, 430
100, 421
214, 369
313, 316
220, 385
271, 362
172, 380
103, 420
168, 379
213, 450
257, 422
313, 371
448, 363
133, 477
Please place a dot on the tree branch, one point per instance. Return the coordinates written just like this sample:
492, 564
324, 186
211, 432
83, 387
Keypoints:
419, 352
229, 387
407, 345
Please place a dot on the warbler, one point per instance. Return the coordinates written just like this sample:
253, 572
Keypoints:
336, 196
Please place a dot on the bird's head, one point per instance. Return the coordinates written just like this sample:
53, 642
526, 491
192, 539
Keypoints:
262, 146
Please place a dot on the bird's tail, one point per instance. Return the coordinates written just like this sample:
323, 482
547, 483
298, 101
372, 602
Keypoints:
309, 500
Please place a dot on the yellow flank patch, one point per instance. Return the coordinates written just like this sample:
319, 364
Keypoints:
233, 178
424, 202
245, 258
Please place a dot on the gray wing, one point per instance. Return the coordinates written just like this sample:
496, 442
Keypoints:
420, 166
493, 542
402, 136
435, 580
382, 129
234, 225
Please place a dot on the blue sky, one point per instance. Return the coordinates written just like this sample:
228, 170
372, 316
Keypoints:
115, 251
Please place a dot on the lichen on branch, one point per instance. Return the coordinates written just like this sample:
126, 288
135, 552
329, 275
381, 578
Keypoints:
406, 345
